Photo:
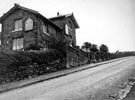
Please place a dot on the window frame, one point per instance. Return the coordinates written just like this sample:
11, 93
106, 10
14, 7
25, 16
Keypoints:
18, 44
66, 29
44, 29
18, 24
70, 25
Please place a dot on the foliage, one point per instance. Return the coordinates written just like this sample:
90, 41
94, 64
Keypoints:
94, 48
103, 48
59, 45
86, 46
95, 54
18, 65
122, 54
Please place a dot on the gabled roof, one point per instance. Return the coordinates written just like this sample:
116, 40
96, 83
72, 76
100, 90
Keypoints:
71, 15
16, 6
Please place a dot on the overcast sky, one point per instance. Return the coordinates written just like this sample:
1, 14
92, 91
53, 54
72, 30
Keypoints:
110, 22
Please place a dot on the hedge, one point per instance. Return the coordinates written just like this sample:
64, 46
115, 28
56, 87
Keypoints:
19, 65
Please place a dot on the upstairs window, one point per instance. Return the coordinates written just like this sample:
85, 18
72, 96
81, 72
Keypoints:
58, 35
70, 25
18, 44
45, 29
18, 25
66, 29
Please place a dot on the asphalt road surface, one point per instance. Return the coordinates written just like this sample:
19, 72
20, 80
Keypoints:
98, 83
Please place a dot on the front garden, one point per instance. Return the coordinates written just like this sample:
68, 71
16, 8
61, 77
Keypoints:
20, 65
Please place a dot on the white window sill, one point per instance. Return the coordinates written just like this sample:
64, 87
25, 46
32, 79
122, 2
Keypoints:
70, 28
17, 30
18, 49
46, 33
67, 33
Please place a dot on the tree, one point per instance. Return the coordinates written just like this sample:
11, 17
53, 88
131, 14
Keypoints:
104, 52
94, 50
103, 48
86, 46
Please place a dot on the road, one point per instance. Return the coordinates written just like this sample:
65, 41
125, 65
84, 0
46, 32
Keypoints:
95, 83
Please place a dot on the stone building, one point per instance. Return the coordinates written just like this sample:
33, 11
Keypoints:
26, 29
69, 24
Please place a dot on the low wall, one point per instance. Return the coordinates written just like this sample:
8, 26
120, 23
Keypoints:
76, 57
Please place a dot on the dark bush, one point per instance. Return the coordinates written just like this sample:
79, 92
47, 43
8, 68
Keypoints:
18, 65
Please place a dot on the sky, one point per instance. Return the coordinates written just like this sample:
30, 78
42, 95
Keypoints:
109, 22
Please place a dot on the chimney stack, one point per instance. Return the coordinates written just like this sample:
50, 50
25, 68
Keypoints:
58, 13
15, 4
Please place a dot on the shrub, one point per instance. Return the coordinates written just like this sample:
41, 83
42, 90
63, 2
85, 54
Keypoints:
18, 65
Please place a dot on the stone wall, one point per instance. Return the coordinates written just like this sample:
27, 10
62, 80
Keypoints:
76, 57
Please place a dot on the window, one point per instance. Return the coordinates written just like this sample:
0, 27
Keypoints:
66, 29
45, 29
70, 25
18, 44
58, 35
18, 25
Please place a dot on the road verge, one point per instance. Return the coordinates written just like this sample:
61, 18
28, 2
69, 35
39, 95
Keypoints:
23, 83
